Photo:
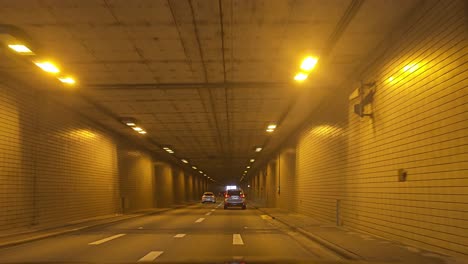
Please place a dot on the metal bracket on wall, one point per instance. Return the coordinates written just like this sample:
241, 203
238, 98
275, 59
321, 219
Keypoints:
366, 97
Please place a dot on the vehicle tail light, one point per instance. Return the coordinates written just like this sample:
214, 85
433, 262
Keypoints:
226, 196
242, 196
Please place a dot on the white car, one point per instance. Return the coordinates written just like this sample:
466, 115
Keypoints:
208, 197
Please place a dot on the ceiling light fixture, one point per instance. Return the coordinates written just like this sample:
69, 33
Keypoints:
184, 161
252, 160
300, 77
309, 63
138, 129
22, 49
193, 167
248, 167
142, 132
67, 80
258, 149
47, 66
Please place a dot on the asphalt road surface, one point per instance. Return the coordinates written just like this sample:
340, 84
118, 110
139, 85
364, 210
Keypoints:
198, 233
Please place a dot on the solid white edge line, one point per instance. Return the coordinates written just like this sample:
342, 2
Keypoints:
98, 242
199, 220
151, 256
237, 239
179, 235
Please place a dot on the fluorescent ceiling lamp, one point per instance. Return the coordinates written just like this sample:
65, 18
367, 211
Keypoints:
67, 80
271, 126
170, 151
138, 129
165, 148
184, 160
20, 48
130, 124
258, 149
193, 167
270, 130
252, 160
300, 77
245, 171
248, 167
309, 63
200, 172
47, 66
142, 132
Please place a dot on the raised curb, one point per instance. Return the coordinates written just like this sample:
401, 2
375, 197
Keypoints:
340, 251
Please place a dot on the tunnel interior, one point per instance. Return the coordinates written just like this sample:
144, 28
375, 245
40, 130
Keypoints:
374, 140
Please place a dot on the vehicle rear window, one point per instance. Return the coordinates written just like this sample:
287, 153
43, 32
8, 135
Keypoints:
234, 192
208, 194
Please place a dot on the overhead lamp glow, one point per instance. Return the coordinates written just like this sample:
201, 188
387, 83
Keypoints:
142, 132
130, 124
193, 167
137, 129
271, 126
47, 66
252, 160
245, 171
309, 63
201, 172
20, 48
300, 77
258, 149
67, 80
269, 130
184, 160
166, 148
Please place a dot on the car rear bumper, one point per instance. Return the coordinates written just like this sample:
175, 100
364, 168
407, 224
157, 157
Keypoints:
234, 203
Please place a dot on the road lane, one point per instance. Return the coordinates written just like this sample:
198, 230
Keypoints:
224, 235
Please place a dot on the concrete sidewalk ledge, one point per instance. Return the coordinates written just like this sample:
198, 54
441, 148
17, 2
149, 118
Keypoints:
342, 252
9, 240
352, 244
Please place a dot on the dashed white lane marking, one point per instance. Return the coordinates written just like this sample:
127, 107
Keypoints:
212, 210
199, 220
140, 227
209, 213
180, 235
151, 256
106, 239
265, 217
79, 228
237, 239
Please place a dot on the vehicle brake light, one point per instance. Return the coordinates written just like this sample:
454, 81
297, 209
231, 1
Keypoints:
242, 196
226, 196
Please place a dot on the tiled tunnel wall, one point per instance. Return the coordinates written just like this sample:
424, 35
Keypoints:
419, 124
58, 167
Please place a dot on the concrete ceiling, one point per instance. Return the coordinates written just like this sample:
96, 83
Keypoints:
204, 77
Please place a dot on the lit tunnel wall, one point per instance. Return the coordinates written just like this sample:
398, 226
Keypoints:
56, 166
346, 167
